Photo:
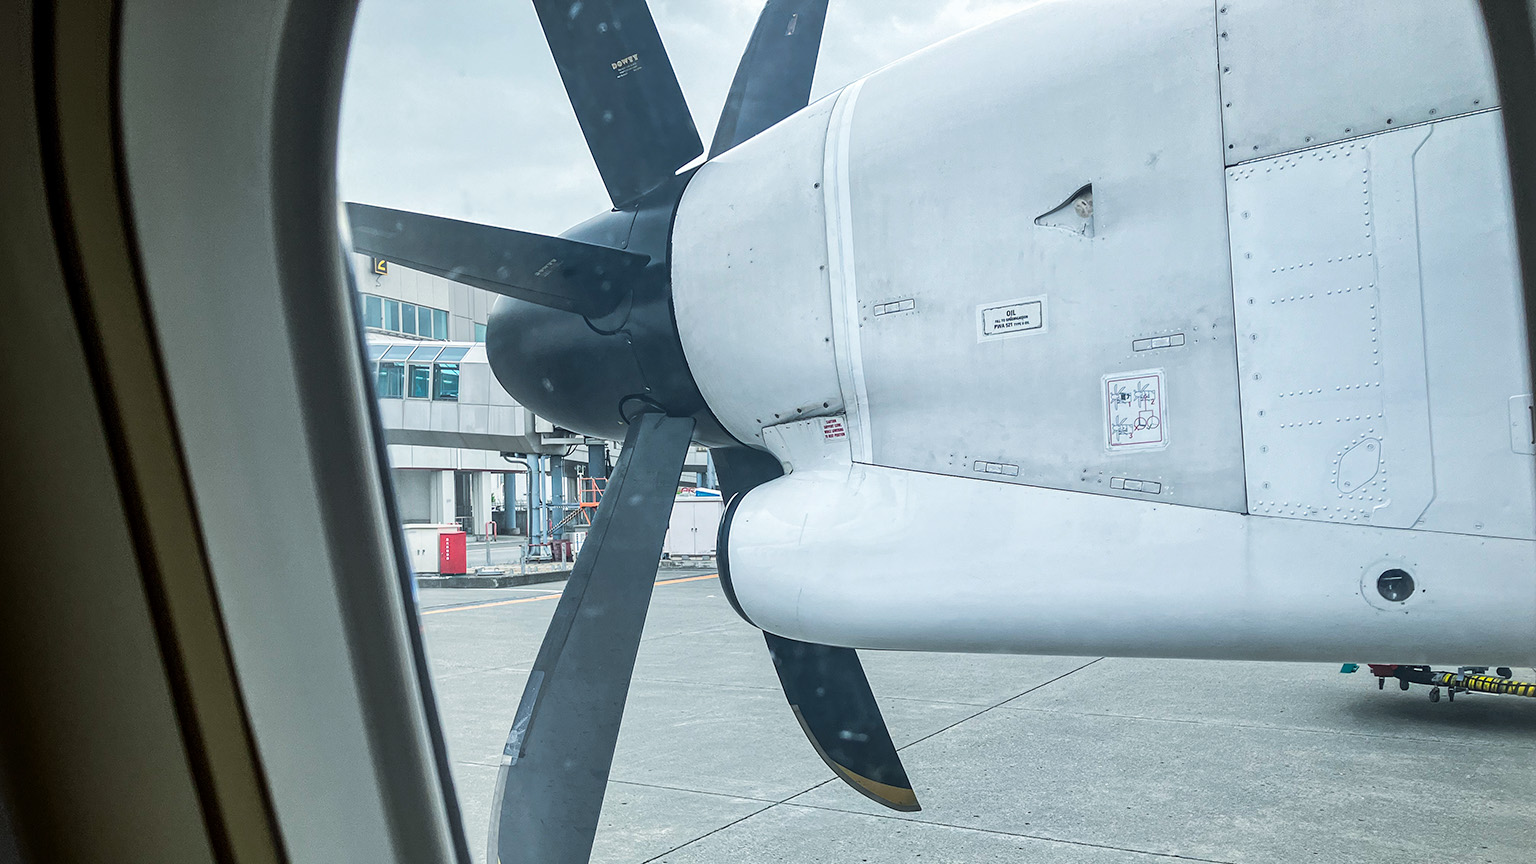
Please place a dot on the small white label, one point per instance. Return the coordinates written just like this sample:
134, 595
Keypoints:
1008, 318
1135, 411
832, 428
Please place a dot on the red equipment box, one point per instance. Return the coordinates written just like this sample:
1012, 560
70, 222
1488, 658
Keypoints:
451, 553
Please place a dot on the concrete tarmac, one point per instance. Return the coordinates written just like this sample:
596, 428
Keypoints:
502, 551
1077, 760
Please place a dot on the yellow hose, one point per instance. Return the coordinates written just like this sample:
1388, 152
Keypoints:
1485, 684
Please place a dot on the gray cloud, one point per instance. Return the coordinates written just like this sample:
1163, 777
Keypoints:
456, 108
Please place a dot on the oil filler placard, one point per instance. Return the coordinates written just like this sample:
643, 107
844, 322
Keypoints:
1135, 410
1008, 318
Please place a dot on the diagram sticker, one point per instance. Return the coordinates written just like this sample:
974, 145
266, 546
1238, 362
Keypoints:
1135, 411
1008, 318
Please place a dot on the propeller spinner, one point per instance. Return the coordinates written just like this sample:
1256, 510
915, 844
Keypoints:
584, 335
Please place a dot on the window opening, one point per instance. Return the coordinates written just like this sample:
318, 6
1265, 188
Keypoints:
391, 380
445, 382
420, 381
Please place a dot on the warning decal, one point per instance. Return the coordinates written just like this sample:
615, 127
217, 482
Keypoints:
832, 428
1135, 415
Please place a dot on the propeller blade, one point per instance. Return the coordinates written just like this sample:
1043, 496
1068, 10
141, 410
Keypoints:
741, 469
554, 768
627, 99
564, 274
831, 698
825, 686
773, 80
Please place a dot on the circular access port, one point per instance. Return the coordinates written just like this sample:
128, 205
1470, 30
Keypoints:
1395, 584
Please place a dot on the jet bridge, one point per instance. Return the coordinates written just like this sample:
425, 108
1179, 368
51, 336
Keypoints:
442, 394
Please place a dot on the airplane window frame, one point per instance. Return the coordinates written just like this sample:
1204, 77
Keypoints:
288, 60
339, 700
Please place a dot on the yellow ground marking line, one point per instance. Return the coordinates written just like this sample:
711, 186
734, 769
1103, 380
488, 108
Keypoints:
549, 597
688, 579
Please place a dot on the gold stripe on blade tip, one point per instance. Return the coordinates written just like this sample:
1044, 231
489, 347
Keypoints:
895, 797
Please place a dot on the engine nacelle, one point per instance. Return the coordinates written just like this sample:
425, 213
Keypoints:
1156, 331
874, 557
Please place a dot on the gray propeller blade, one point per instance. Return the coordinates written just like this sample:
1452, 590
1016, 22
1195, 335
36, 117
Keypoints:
554, 768
626, 96
550, 271
837, 711
774, 78
825, 685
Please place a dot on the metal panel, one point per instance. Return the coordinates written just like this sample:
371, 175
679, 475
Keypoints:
1474, 334
957, 156
1297, 73
413, 495
475, 419
498, 395
417, 414
749, 279
444, 416
502, 421
392, 413
1331, 355
441, 293
1376, 305
475, 382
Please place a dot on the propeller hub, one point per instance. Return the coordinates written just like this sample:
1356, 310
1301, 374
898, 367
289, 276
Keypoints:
593, 374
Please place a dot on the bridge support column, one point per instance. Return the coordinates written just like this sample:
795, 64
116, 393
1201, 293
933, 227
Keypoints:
537, 527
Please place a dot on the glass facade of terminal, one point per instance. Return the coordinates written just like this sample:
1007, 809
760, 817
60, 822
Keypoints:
404, 319
416, 372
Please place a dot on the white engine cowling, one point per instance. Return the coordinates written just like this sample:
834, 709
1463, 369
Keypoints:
1122, 330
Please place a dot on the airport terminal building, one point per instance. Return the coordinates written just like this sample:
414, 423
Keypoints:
461, 447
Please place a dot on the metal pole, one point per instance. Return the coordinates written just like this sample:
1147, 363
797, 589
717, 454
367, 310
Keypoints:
535, 500
556, 494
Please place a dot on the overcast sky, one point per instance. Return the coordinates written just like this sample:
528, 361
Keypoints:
455, 107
